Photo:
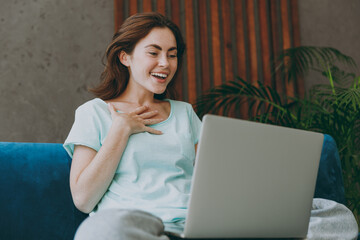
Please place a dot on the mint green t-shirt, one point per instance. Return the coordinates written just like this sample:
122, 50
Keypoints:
154, 173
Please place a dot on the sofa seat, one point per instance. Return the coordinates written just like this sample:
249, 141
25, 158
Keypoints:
36, 202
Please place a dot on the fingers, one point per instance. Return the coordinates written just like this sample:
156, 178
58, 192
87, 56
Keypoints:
140, 110
153, 131
149, 114
152, 121
139, 116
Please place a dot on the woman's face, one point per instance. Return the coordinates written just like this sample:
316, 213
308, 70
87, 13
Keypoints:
153, 62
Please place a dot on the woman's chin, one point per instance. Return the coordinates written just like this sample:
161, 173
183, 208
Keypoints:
159, 92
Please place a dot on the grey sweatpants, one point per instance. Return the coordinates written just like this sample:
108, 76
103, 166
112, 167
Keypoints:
329, 220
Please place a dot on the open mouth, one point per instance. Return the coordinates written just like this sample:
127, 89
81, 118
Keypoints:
160, 76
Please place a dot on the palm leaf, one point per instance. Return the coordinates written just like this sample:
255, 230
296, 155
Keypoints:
339, 76
234, 93
295, 62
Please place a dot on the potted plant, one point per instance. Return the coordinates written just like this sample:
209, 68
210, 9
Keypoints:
332, 108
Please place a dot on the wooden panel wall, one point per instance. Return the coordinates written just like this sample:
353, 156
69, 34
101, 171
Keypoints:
226, 38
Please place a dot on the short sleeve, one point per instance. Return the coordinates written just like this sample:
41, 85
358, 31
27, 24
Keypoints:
85, 130
195, 123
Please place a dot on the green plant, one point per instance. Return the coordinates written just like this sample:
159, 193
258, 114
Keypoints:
332, 108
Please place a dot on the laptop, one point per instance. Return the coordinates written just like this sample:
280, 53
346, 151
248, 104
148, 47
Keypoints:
252, 180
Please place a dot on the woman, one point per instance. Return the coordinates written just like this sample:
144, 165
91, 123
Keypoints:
132, 148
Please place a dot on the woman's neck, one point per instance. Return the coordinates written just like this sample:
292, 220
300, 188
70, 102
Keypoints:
137, 95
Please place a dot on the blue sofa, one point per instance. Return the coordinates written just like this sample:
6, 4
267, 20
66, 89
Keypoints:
36, 202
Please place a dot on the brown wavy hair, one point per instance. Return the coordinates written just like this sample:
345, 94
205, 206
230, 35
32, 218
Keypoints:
115, 76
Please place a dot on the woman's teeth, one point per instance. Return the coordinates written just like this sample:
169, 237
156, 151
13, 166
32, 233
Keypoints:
159, 75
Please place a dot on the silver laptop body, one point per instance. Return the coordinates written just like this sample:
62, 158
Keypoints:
252, 180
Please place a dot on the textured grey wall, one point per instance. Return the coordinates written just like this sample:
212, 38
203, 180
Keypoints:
51, 50
330, 23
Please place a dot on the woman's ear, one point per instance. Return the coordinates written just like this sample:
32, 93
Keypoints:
124, 58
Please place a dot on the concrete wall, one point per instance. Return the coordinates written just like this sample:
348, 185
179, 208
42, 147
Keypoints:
51, 51
330, 23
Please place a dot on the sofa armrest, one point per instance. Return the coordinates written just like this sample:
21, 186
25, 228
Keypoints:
35, 198
329, 183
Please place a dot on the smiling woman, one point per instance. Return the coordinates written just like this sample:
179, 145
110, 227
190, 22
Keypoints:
116, 75
153, 62
129, 142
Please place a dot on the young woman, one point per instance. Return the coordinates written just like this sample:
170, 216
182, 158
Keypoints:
132, 147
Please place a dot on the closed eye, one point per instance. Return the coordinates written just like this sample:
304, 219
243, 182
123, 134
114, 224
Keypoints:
172, 53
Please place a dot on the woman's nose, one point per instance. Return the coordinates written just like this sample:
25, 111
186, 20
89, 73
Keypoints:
163, 61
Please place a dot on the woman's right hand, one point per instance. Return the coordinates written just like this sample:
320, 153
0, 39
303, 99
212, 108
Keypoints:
136, 121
